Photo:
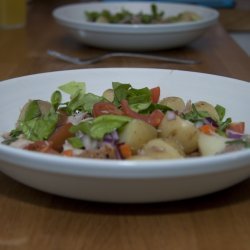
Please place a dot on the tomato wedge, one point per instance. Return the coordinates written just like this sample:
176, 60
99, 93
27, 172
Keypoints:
153, 119
129, 112
155, 94
105, 108
238, 127
41, 146
63, 117
59, 136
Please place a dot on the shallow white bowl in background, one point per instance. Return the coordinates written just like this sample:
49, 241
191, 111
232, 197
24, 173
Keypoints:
141, 37
117, 180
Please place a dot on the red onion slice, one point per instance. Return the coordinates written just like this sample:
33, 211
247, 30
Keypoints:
232, 134
171, 115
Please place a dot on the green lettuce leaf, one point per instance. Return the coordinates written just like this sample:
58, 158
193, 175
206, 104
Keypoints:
84, 127
138, 99
105, 124
56, 99
120, 92
39, 128
83, 102
31, 111
73, 87
194, 115
75, 142
102, 125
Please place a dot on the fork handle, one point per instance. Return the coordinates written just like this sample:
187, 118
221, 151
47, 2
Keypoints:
152, 57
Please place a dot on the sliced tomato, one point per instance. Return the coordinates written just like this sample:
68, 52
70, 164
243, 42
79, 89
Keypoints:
155, 94
129, 112
41, 146
153, 119
238, 127
105, 108
59, 136
63, 117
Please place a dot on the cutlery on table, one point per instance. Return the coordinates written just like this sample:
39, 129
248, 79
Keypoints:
95, 59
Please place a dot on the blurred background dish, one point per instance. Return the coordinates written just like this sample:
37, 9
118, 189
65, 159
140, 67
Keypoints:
139, 37
210, 3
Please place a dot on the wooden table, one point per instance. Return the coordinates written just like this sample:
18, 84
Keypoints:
35, 220
236, 19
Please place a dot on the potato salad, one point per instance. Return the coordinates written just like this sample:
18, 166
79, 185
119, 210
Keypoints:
125, 123
125, 16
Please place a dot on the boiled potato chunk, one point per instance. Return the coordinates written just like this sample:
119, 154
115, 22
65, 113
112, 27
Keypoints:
207, 107
182, 131
173, 102
136, 133
160, 148
211, 144
102, 19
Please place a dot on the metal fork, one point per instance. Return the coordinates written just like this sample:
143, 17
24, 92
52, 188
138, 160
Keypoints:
102, 57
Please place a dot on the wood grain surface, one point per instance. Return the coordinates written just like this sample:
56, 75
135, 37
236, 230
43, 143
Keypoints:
34, 220
236, 19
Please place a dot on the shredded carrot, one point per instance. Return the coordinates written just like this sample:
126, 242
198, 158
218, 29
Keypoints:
68, 153
125, 150
207, 129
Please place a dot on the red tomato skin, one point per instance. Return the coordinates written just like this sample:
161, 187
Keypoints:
59, 136
105, 108
41, 146
153, 119
238, 127
129, 112
155, 94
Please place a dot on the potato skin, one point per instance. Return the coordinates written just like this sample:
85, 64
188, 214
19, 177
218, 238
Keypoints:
173, 102
211, 144
182, 131
136, 133
209, 108
160, 148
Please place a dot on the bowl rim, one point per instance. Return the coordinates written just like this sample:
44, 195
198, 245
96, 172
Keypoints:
124, 169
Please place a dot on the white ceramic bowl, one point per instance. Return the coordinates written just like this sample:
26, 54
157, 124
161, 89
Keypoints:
134, 37
117, 180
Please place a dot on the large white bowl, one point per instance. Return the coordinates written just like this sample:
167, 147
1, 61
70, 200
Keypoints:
134, 37
117, 180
